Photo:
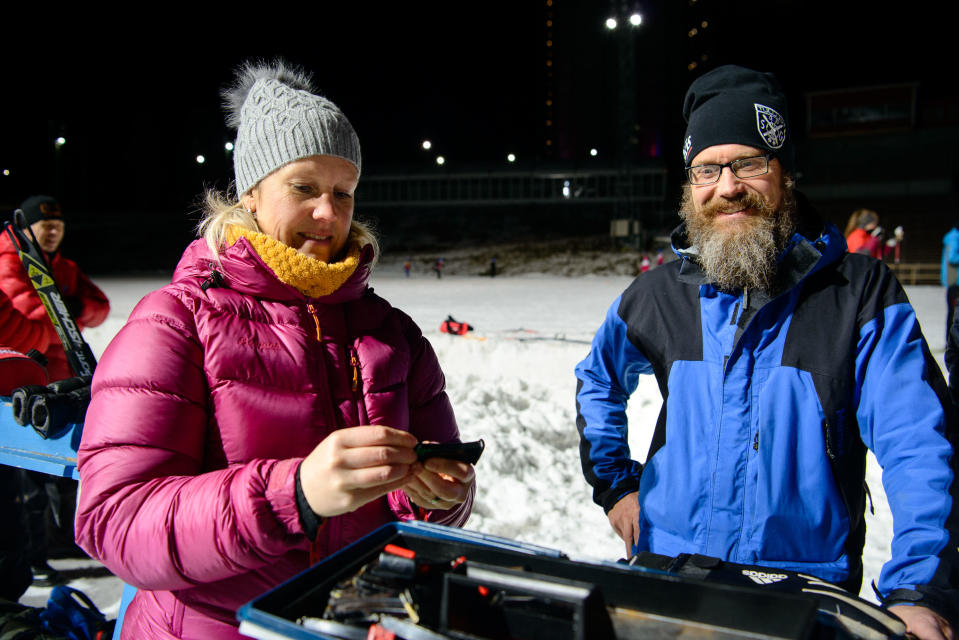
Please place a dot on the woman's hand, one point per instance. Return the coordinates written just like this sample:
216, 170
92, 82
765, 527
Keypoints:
356, 465
441, 484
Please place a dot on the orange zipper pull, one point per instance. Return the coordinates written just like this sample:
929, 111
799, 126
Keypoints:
356, 369
316, 321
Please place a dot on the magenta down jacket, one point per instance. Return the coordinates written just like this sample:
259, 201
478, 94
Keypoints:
203, 407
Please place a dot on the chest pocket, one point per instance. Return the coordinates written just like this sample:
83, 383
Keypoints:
795, 498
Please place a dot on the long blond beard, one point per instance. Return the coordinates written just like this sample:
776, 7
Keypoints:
743, 253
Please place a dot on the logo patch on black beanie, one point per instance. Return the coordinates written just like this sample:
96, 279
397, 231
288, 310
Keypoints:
686, 147
50, 210
771, 125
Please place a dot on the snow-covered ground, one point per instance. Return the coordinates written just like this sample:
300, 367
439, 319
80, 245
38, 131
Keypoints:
511, 383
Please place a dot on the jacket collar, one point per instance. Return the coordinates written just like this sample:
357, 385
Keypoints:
243, 270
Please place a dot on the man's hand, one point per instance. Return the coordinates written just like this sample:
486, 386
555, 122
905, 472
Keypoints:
923, 623
624, 518
74, 305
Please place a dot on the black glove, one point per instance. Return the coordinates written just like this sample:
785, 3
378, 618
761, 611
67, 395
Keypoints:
74, 305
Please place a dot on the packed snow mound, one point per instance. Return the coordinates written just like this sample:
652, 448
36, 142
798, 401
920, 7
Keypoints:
592, 255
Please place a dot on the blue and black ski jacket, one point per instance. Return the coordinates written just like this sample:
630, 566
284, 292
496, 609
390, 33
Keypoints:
769, 403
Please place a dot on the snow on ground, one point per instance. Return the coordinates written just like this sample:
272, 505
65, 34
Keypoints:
511, 383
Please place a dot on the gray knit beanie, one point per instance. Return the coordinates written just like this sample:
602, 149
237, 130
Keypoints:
279, 118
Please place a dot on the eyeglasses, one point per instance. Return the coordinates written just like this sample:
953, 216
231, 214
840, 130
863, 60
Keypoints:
743, 168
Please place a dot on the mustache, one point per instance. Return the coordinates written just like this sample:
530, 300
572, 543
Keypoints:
747, 200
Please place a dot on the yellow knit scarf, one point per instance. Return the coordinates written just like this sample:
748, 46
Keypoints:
309, 276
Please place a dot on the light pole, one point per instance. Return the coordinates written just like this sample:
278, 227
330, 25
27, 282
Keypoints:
58, 160
622, 23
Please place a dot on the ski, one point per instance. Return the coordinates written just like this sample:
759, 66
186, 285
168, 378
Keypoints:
78, 352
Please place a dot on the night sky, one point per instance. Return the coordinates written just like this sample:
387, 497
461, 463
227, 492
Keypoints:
137, 97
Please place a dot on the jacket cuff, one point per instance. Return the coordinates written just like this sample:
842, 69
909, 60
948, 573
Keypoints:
309, 519
926, 596
903, 596
610, 497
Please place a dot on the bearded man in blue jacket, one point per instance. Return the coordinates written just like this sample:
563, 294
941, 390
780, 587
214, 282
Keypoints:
781, 358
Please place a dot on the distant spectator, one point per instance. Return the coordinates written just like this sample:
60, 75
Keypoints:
852, 223
406, 268
659, 257
644, 264
438, 267
492, 267
85, 301
866, 237
949, 273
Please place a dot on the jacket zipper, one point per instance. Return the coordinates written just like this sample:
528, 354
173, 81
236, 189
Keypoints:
332, 524
316, 321
355, 363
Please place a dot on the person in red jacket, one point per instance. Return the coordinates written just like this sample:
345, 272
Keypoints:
33, 329
865, 237
48, 502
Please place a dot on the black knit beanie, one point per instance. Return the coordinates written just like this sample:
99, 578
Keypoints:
36, 208
735, 105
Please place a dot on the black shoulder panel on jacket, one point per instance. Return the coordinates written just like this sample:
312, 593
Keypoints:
656, 308
834, 304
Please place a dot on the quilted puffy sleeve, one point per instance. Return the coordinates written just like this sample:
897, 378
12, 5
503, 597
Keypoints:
17, 331
146, 508
28, 328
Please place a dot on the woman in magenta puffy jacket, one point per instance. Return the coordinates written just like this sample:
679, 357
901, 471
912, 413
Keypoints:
260, 412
